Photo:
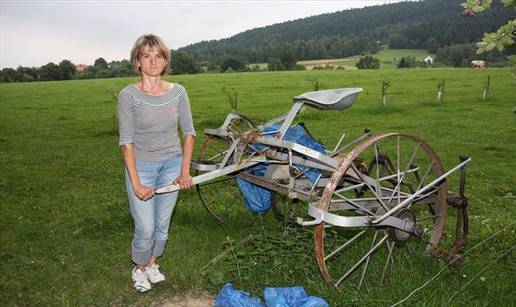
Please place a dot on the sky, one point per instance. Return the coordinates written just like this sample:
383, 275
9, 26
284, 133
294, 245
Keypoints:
34, 33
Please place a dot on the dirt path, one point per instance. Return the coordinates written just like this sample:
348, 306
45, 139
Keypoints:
202, 300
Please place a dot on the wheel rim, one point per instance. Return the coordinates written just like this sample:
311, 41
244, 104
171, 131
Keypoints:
342, 253
221, 197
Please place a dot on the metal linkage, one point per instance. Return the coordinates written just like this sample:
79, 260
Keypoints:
460, 202
303, 150
320, 215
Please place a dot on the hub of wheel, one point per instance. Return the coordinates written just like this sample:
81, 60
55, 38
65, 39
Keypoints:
410, 218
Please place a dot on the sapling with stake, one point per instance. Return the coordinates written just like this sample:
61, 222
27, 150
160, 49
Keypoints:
486, 88
316, 85
385, 84
440, 90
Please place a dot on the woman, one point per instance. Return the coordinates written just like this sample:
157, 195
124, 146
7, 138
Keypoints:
149, 113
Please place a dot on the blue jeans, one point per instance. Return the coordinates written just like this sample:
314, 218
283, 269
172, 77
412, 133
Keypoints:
152, 217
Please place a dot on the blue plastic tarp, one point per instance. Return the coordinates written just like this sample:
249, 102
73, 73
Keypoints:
274, 297
291, 297
230, 297
258, 199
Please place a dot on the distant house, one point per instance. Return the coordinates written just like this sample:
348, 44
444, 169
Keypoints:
80, 68
428, 60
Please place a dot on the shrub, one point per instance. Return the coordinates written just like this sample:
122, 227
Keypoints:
368, 62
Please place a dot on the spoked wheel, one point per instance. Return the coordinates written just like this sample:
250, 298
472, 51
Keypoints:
385, 167
409, 164
221, 196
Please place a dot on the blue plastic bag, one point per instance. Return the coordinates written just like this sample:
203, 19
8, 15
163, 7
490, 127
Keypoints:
274, 297
298, 134
258, 199
230, 297
291, 297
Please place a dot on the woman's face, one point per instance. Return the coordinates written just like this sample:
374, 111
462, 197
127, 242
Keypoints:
151, 61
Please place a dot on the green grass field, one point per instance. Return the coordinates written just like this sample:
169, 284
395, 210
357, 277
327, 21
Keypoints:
65, 224
389, 58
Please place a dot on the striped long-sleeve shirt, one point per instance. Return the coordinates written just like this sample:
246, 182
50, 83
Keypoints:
151, 122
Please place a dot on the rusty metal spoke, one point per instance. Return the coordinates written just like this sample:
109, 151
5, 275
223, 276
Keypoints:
361, 261
400, 179
348, 242
359, 174
426, 175
354, 204
389, 260
364, 270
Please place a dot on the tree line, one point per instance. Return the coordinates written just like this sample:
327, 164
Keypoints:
459, 55
66, 70
181, 63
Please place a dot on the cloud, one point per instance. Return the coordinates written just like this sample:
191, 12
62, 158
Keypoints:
35, 33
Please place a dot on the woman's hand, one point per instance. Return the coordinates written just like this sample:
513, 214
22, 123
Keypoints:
143, 192
184, 181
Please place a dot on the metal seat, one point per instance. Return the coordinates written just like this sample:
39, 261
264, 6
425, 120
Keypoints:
337, 99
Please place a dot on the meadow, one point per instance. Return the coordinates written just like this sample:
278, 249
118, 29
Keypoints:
389, 58
65, 227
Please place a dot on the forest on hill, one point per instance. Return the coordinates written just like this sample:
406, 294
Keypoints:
428, 24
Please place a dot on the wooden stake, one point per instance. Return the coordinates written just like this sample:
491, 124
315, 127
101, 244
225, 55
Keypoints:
440, 90
385, 85
486, 88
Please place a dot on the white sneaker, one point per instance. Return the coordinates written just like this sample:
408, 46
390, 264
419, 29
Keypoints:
153, 274
141, 283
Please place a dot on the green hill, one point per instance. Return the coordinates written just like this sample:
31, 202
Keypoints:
427, 24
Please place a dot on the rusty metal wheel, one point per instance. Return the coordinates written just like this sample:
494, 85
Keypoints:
405, 164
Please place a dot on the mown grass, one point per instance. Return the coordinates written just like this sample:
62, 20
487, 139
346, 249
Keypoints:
389, 58
64, 220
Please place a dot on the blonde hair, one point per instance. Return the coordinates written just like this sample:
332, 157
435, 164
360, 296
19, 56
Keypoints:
151, 41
